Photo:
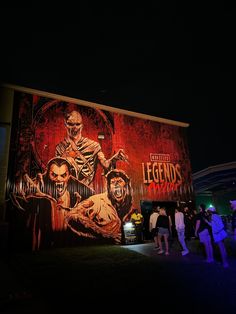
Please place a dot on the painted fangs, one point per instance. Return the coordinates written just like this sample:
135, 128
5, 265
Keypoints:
60, 187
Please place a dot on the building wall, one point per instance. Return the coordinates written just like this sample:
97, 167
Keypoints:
6, 102
153, 165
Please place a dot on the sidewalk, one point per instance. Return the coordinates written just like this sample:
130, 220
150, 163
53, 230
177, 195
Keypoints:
194, 285
195, 256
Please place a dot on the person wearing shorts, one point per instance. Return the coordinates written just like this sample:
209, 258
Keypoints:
164, 226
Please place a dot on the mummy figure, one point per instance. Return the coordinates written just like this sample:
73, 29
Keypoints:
84, 153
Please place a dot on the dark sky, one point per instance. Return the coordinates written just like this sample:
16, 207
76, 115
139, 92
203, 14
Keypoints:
166, 60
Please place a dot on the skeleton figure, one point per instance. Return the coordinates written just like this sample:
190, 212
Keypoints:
83, 152
103, 214
47, 198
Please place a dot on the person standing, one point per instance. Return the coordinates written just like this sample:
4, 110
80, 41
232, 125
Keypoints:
233, 207
152, 226
137, 219
180, 228
189, 223
218, 233
164, 226
202, 231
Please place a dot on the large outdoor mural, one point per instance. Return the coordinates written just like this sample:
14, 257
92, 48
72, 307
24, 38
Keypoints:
77, 172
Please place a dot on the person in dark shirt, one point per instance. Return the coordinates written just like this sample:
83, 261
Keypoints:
189, 223
233, 207
163, 225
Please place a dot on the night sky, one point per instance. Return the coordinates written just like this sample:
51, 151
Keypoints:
166, 60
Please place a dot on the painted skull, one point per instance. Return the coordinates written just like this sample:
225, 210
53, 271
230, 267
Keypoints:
74, 125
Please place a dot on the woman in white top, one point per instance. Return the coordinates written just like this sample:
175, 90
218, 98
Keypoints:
218, 232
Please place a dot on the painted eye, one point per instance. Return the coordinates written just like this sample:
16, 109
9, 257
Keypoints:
73, 124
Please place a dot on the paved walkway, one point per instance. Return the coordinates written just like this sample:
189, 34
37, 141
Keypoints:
196, 254
148, 250
193, 286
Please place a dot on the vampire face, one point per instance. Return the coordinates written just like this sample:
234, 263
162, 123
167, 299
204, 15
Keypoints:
59, 175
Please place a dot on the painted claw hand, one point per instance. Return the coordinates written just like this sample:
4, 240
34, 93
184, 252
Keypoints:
120, 155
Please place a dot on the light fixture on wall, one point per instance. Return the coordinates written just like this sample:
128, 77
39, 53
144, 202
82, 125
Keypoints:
101, 136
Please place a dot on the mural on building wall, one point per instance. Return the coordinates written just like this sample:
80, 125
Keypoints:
77, 172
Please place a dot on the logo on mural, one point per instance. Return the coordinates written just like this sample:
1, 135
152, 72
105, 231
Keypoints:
161, 174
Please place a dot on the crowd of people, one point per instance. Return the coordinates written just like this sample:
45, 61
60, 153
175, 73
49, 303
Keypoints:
205, 225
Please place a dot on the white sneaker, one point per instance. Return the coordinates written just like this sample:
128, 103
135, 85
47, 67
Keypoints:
185, 252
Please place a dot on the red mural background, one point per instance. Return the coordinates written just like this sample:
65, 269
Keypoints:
157, 164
